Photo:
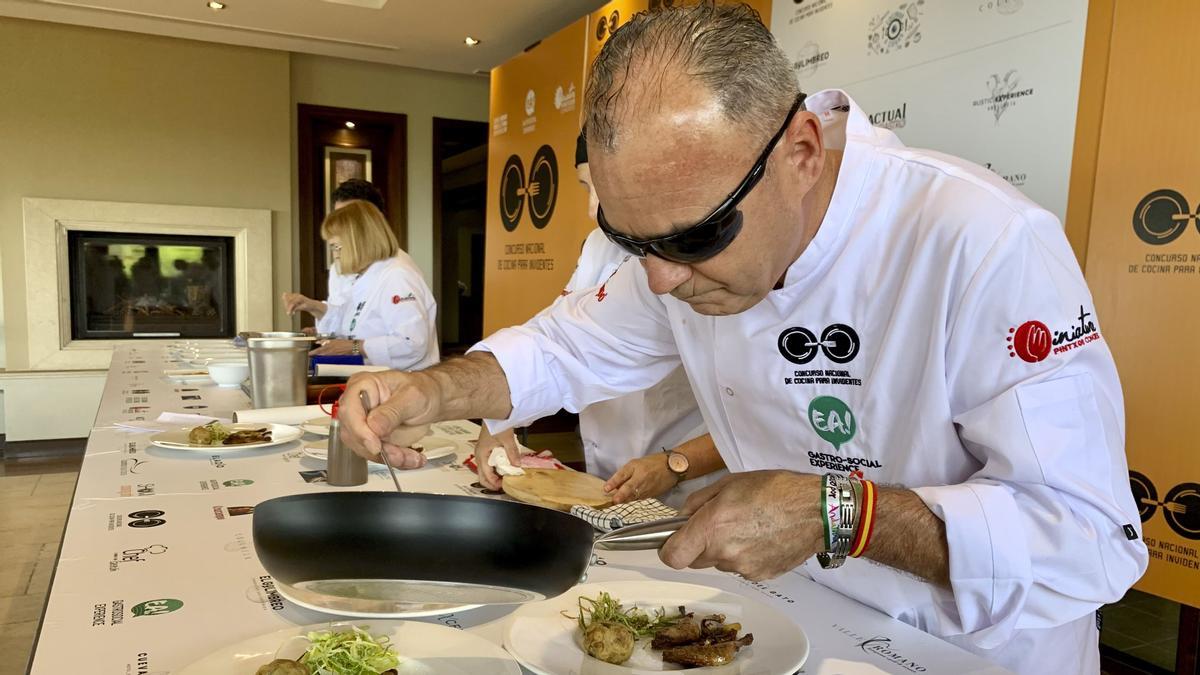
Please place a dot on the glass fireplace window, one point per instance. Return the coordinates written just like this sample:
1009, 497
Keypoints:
150, 286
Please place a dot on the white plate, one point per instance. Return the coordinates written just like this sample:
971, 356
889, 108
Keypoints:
360, 609
435, 448
423, 648
177, 439
317, 425
187, 375
548, 643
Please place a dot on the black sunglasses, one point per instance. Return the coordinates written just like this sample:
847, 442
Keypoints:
717, 230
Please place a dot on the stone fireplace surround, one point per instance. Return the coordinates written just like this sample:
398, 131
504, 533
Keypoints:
47, 280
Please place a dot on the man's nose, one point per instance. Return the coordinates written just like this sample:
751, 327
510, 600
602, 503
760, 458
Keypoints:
665, 276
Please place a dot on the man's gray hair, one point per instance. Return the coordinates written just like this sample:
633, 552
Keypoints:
722, 47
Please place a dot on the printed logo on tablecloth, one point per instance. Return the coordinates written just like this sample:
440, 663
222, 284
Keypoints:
1005, 92
1033, 341
138, 519
240, 545
156, 607
1162, 216
133, 466
138, 490
216, 461
890, 118
223, 512
1001, 6
881, 647
809, 57
896, 29
135, 555
262, 593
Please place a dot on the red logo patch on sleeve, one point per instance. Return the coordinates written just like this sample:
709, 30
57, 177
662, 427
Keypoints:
395, 299
600, 294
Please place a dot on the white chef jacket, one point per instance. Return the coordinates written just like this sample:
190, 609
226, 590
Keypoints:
391, 309
339, 286
974, 372
639, 423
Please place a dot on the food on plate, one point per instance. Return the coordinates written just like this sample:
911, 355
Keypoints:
215, 433
283, 667
700, 654
611, 633
350, 652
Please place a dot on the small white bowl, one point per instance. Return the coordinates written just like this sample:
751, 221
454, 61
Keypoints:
229, 373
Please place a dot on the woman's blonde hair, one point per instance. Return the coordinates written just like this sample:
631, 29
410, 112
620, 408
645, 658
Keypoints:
366, 236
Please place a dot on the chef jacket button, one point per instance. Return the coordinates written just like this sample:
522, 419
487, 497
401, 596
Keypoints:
728, 391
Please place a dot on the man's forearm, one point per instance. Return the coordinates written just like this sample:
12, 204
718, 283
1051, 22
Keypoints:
471, 386
909, 537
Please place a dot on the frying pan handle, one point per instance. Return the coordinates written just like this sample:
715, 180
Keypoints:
640, 537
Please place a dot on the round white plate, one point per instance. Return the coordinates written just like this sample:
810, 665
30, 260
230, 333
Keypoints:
435, 448
548, 643
423, 648
317, 425
177, 439
360, 609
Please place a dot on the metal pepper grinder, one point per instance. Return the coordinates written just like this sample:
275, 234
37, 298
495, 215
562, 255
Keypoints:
344, 467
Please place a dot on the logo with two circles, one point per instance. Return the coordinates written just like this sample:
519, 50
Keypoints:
839, 342
1162, 216
539, 188
1180, 507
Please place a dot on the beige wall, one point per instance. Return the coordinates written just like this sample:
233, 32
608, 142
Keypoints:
113, 116
419, 94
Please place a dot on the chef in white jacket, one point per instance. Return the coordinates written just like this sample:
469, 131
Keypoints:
385, 311
337, 284
840, 303
635, 442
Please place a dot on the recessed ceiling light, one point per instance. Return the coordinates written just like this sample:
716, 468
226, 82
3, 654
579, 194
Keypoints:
470, 41
349, 125
216, 5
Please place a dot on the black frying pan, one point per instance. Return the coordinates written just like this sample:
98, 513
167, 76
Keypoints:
365, 551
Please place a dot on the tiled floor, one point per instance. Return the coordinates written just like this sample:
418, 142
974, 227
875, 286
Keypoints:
1144, 626
34, 499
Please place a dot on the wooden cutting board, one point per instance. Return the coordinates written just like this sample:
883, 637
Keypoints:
557, 489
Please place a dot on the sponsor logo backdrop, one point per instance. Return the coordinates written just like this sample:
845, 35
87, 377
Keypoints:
1143, 264
993, 81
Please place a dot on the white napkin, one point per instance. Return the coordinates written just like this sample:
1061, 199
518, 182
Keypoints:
345, 370
164, 422
499, 460
295, 414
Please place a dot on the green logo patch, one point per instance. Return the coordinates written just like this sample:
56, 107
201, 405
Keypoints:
832, 420
155, 607
238, 482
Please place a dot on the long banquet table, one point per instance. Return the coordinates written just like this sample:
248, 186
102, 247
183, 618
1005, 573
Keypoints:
148, 524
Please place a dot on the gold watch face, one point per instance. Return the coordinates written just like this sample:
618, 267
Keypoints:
677, 463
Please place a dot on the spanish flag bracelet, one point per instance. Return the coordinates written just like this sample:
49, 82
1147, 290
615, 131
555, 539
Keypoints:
866, 516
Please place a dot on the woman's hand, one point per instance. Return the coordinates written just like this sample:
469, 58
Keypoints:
298, 302
334, 348
641, 478
483, 449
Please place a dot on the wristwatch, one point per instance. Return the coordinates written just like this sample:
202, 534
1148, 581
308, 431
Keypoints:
678, 464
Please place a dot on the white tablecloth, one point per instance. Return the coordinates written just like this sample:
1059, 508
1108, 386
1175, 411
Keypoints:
149, 524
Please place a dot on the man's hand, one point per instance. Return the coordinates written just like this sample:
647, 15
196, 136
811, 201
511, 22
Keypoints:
759, 524
483, 449
399, 402
641, 478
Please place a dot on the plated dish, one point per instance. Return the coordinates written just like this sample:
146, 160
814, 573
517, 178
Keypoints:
402, 647
548, 637
216, 436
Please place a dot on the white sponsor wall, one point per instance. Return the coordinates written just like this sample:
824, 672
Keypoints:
992, 81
